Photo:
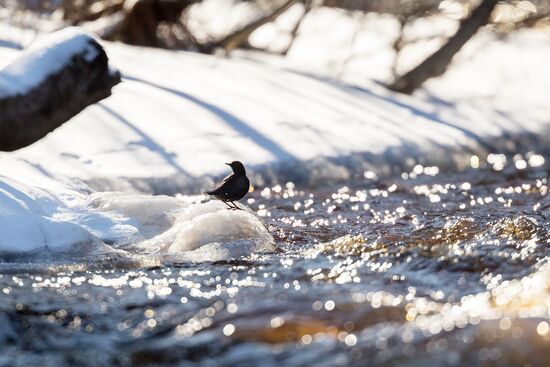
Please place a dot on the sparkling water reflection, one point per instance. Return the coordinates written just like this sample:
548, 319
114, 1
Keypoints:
427, 269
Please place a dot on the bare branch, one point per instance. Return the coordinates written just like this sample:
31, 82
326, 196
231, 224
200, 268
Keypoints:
240, 37
437, 63
307, 8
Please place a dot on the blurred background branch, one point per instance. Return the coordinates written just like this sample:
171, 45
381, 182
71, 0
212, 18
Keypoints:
438, 62
173, 24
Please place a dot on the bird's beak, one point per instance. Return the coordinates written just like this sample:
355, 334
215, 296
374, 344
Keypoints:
229, 164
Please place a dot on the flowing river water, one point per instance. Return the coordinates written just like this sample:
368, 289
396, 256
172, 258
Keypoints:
427, 269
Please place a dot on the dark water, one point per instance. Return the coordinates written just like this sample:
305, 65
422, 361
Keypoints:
426, 269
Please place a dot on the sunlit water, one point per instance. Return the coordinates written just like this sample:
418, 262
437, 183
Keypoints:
427, 269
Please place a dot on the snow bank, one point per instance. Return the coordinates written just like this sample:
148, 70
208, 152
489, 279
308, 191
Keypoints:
26, 224
178, 116
33, 219
43, 58
24, 230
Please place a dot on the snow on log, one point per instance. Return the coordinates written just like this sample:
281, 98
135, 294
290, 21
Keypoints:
50, 82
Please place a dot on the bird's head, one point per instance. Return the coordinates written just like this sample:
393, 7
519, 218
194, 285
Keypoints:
237, 167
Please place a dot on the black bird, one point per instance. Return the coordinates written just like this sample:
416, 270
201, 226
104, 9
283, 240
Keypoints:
234, 187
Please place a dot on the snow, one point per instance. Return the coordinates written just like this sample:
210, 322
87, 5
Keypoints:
40, 213
32, 219
178, 116
43, 58
26, 223
285, 121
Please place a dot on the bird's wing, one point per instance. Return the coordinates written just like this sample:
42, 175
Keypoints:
227, 178
224, 186
243, 183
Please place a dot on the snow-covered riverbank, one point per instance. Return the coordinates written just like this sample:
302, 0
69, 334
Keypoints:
178, 116
38, 213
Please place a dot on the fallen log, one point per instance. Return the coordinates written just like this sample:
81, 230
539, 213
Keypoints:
50, 82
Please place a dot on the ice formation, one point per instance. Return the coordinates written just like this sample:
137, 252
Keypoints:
166, 225
32, 220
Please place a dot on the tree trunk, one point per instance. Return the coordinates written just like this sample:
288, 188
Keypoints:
49, 83
437, 63
141, 20
240, 37
294, 33
395, 7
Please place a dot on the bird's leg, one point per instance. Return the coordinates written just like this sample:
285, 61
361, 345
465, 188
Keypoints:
228, 206
236, 206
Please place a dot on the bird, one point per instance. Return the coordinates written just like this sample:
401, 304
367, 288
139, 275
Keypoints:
234, 187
